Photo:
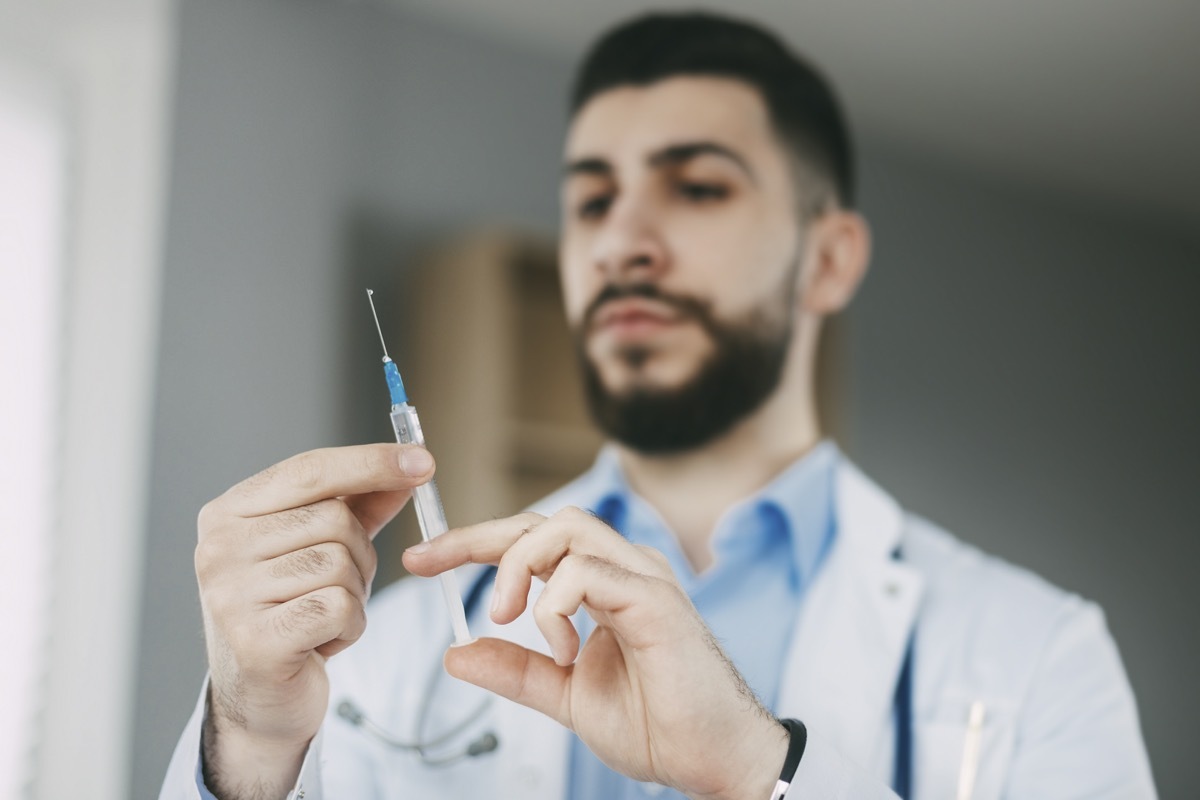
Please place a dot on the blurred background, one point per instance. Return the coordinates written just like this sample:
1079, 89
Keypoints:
194, 193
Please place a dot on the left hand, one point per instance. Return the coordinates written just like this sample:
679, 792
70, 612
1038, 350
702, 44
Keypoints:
651, 694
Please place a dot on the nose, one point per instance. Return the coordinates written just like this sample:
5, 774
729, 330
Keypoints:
630, 247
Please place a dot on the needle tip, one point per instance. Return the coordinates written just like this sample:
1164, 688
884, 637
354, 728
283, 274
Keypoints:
371, 300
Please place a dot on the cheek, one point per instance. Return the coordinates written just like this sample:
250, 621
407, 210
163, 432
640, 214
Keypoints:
737, 259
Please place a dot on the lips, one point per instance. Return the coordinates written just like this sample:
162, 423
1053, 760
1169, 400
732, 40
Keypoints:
633, 314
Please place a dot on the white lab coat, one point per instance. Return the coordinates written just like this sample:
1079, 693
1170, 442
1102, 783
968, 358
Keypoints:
1060, 719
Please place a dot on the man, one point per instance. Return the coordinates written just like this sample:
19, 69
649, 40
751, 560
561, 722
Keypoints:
707, 231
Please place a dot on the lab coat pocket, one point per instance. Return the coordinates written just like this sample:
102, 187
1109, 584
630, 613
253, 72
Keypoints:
958, 758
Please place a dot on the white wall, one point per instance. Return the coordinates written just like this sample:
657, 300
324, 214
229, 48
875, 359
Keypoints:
32, 226
109, 64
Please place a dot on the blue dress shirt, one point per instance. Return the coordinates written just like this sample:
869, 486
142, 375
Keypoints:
766, 550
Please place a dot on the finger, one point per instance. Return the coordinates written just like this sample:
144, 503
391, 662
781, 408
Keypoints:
331, 472
483, 543
376, 509
634, 605
659, 559
328, 615
511, 671
488, 542
571, 531
332, 521
557, 629
299, 572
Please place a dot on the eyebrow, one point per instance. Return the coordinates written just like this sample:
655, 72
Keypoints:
671, 155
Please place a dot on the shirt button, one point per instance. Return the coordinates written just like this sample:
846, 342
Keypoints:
653, 789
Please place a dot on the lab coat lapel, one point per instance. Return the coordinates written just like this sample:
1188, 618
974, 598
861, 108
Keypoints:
854, 625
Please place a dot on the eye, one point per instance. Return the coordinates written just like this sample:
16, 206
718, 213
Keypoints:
702, 192
594, 207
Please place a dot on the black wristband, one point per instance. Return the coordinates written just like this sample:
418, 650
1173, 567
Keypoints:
798, 738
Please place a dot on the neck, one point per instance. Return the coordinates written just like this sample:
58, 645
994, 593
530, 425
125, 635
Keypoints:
691, 490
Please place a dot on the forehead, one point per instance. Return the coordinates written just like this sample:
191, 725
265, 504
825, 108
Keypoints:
630, 121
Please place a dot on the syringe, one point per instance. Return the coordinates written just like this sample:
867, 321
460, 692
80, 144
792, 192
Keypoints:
430, 514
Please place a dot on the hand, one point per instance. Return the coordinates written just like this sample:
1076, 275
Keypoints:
285, 562
651, 694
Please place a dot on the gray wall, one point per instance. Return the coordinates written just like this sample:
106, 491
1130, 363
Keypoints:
1024, 371
1020, 364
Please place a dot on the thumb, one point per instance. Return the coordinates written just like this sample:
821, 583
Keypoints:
376, 509
512, 671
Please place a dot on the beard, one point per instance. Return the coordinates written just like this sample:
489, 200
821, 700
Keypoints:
741, 372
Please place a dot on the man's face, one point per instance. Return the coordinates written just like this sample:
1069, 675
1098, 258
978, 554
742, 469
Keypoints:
681, 242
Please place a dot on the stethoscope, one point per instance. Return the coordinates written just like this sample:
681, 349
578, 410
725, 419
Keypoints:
429, 751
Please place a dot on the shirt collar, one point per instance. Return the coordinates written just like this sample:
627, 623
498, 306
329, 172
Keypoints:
800, 499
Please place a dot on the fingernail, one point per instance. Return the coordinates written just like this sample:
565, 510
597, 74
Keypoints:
417, 549
416, 461
495, 601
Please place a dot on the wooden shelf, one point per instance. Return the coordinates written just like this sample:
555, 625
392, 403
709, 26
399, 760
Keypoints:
501, 400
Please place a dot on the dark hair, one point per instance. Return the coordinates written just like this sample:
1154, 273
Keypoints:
801, 102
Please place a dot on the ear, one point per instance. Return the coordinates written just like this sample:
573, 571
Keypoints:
839, 251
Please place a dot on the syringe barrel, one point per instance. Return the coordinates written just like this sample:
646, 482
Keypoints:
407, 425
431, 516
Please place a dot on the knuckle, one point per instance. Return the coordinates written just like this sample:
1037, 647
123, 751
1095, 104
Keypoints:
306, 470
303, 614
573, 513
291, 520
315, 560
343, 566
206, 518
572, 564
372, 557
342, 523
207, 560
655, 555
338, 555
530, 519
543, 611
580, 517
341, 602
338, 514
346, 608
669, 591
201, 559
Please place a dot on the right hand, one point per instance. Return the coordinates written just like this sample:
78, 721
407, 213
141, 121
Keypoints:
285, 563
